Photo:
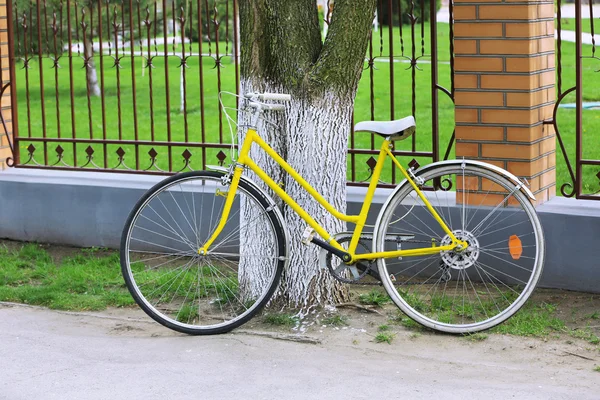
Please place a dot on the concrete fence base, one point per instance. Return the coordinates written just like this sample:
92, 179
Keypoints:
88, 209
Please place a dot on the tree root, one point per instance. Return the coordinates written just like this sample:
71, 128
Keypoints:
279, 336
577, 355
360, 307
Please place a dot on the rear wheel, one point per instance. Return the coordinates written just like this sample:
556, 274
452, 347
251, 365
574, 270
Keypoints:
473, 289
193, 293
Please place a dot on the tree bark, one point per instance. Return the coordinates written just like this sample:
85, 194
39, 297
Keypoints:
282, 52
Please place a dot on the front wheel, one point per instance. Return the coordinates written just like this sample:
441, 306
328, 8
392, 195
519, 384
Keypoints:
465, 290
209, 293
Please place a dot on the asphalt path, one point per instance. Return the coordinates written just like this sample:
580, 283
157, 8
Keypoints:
46, 354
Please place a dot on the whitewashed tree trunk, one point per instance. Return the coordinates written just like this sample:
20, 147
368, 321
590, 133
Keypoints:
314, 140
317, 144
282, 52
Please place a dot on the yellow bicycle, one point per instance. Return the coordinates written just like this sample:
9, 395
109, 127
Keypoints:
457, 245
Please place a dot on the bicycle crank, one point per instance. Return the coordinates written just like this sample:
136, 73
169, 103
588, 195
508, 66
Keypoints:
339, 269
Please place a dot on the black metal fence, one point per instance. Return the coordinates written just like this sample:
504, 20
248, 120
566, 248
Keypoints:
576, 116
132, 85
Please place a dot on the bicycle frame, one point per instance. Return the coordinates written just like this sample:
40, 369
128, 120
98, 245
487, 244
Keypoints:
359, 220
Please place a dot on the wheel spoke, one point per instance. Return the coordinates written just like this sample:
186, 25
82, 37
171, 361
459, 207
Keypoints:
192, 293
473, 288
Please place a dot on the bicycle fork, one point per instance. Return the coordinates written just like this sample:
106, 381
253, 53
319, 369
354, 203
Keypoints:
235, 180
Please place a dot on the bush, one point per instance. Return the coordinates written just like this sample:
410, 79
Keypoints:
421, 10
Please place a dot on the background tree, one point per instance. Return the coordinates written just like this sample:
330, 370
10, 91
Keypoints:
282, 52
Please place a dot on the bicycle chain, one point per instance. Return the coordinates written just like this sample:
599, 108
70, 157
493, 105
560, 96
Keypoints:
371, 271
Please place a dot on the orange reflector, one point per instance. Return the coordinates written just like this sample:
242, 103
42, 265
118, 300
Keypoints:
515, 247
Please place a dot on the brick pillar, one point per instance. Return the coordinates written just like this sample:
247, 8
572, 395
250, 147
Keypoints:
4, 78
504, 81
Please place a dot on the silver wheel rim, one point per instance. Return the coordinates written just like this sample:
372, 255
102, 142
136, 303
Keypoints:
506, 312
190, 259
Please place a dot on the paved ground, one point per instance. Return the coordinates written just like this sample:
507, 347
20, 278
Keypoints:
51, 355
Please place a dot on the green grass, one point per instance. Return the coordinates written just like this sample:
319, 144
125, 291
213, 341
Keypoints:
384, 337
335, 320
383, 328
280, 319
540, 320
568, 24
594, 315
476, 337
597, 368
374, 298
82, 282
401, 319
534, 319
585, 334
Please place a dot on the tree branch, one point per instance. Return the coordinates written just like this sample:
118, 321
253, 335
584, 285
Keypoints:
342, 57
281, 40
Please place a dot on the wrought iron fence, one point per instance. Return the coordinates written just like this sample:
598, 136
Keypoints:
407, 58
576, 116
132, 85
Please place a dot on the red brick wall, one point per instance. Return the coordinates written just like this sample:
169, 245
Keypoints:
504, 81
4, 78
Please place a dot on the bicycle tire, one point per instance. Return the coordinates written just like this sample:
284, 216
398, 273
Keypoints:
187, 292
472, 290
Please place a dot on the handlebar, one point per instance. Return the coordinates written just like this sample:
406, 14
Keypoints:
264, 106
256, 100
268, 96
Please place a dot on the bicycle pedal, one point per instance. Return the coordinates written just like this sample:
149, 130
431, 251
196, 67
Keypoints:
399, 247
308, 235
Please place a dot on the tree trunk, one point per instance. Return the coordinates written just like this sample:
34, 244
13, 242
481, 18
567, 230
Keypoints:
90, 71
282, 52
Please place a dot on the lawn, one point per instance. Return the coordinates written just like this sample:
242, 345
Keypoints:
85, 279
148, 121
568, 24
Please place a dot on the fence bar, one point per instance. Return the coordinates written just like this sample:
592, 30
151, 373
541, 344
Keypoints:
434, 80
55, 67
167, 95
13, 81
41, 71
103, 100
391, 60
133, 86
236, 48
136, 142
201, 76
578, 99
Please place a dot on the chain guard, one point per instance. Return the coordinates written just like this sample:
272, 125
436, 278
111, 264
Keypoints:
348, 273
353, 274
